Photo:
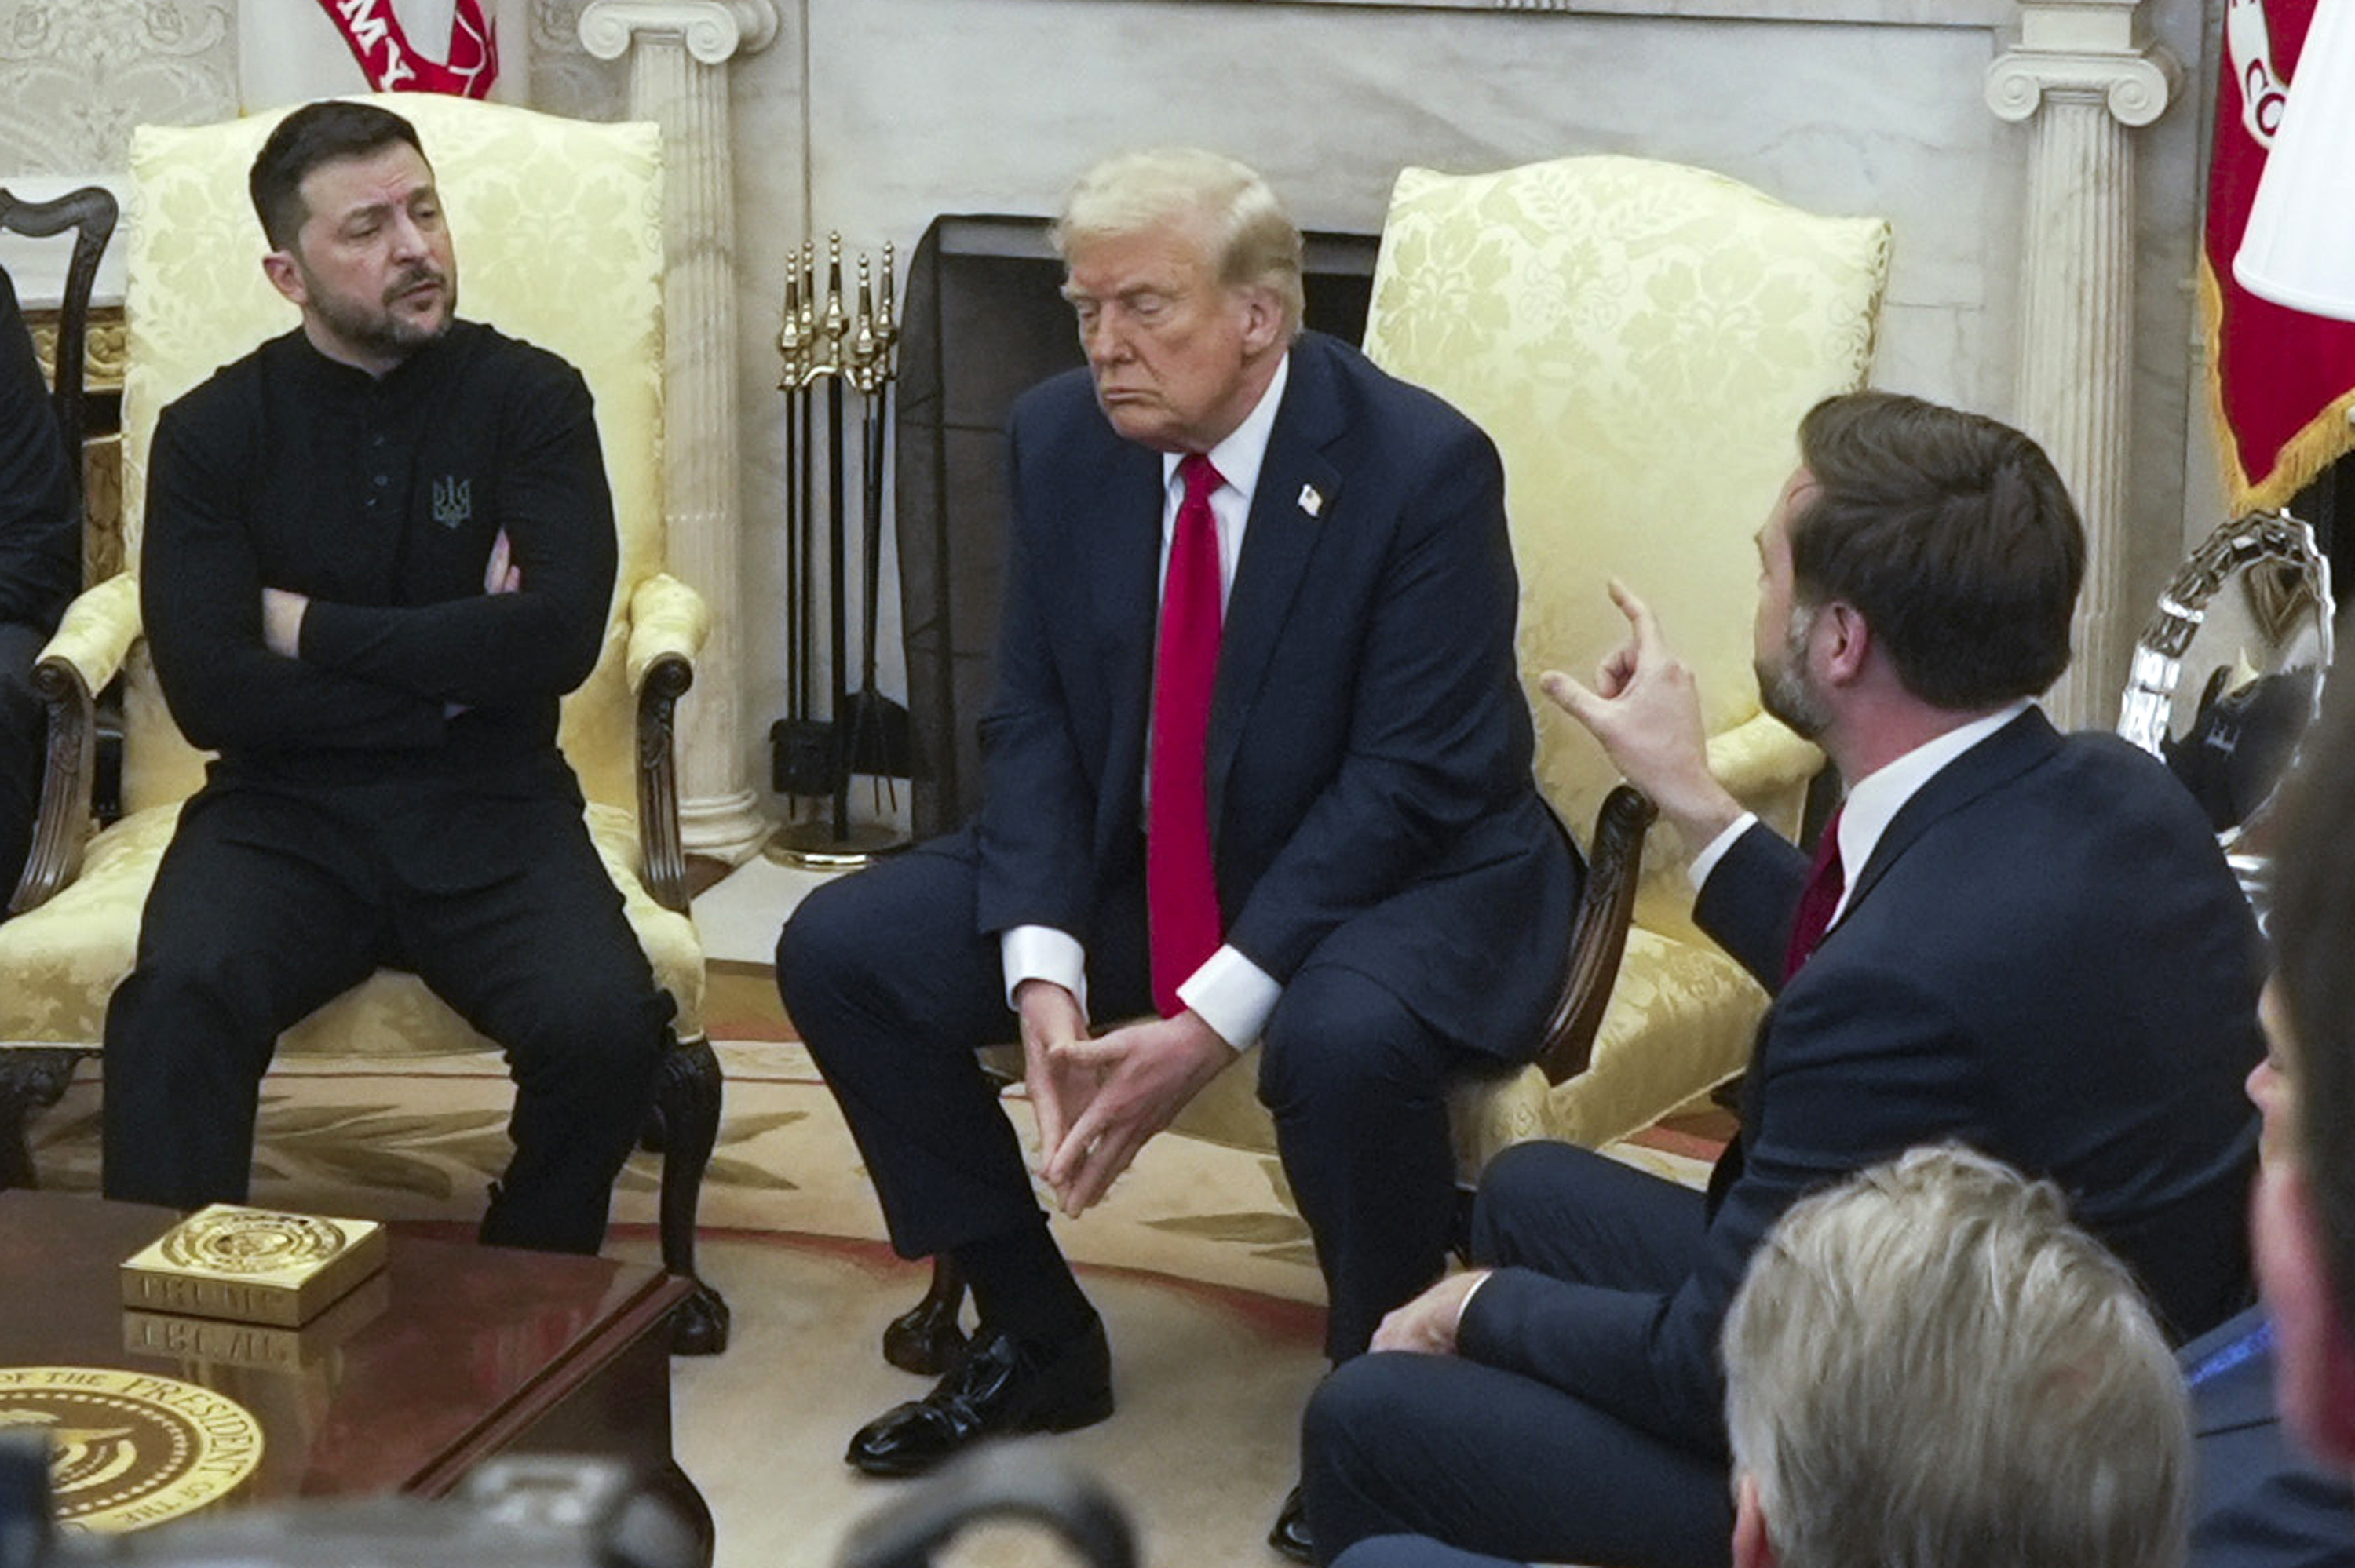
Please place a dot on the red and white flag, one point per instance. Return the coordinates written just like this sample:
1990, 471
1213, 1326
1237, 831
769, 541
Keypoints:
295, 50
2280, 382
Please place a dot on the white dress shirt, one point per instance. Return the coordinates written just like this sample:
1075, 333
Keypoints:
1873, 800
1231, 994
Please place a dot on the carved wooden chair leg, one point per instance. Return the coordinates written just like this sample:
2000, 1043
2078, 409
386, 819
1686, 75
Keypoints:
654, 1137
926, 1338
687, 1093
30, 1080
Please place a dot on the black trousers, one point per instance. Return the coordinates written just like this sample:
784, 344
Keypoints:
1401, 1444
894, 988
23, 728
270, 903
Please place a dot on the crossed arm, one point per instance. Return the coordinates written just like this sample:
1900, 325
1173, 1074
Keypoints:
282, 611
252, 663
200, 590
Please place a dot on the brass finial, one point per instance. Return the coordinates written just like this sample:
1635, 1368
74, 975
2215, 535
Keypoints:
863, 352
887, 325
837, 321
792, 340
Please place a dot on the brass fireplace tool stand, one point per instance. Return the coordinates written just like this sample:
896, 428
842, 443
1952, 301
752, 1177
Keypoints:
835, 350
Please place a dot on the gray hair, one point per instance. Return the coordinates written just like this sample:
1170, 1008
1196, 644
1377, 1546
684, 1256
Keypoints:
1928, 1366
1251, 239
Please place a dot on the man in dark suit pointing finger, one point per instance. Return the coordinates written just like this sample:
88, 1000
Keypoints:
2022, 941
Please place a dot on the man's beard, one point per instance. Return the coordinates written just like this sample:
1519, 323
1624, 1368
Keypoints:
383, 330
1784, 689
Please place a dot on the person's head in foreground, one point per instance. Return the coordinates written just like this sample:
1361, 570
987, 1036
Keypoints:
1185, 271
2304, 1215
358, 240
1929, 1366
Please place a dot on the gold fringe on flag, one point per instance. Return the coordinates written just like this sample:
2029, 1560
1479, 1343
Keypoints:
2323, 440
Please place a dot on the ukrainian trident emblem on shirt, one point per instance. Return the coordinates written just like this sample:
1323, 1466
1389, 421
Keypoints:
452, 501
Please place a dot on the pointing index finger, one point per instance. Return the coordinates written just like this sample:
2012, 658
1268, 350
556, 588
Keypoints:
1639, 615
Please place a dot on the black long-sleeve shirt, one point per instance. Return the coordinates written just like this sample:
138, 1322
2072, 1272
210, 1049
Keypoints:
40, 537
380, 498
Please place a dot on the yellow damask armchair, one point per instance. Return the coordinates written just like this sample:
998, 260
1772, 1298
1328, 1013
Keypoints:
1640, 339
558, 226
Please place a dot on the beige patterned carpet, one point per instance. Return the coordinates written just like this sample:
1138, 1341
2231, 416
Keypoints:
1202, 1271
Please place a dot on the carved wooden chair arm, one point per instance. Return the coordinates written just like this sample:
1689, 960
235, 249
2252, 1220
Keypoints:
668, 621
93, 640
1599, 939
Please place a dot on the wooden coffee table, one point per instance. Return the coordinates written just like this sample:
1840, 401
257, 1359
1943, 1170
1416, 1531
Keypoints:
452, 1354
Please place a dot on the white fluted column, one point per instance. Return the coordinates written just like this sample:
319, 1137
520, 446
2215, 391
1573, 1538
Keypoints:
679, 52
2084, 75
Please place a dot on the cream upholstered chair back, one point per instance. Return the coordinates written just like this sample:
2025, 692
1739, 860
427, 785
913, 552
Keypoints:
1641, 340
556, 226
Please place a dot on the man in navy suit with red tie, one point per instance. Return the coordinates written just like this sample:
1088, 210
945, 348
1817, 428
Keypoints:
1258, 763
2014, 940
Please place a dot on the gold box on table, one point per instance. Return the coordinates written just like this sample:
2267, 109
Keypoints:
253, 1266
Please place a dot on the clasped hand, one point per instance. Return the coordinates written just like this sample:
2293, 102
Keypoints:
1099, 1099
1427, 1324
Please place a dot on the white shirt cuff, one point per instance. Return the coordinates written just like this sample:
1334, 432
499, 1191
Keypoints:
1465, 1304
1714, 851
1042, 952
1233, 995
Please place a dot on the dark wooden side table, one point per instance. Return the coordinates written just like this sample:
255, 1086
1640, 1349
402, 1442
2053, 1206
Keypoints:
452, 1354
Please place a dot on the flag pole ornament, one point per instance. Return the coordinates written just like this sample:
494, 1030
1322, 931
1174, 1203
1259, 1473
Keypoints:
373, 31
2281, 381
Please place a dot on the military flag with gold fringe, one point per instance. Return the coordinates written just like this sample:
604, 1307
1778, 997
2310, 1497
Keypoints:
2281, 382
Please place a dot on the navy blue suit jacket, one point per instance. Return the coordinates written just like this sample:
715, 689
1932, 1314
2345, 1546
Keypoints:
2259, 1502
1371, 800
2045, 959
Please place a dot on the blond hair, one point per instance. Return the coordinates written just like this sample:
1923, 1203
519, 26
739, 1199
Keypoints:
1251, 239
1928, 1366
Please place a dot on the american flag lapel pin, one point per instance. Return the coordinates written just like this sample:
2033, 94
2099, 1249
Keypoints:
1310, 501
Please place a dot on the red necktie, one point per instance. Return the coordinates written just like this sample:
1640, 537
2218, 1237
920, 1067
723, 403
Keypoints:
1181, 893
1826, 883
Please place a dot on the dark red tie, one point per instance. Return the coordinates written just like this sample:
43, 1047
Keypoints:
1181, 893
1826, 883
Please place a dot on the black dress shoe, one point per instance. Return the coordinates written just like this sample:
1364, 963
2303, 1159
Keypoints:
999, 1386
1290, 1535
